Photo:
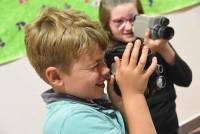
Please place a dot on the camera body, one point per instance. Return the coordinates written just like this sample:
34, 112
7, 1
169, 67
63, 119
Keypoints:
156, 81
109, 59
158, 27
118, 51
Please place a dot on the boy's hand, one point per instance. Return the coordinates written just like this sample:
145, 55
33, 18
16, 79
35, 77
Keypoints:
115, 99
130, 74
132, 80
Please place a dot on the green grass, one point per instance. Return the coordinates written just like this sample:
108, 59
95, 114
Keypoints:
166, 6
12, 12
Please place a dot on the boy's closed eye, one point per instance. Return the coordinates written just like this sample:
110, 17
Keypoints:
97, 65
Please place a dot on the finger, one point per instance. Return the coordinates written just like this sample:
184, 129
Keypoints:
152, 67
126, 54
162, 41
110, 84
143, 58
117, 62
135, 53
111, 93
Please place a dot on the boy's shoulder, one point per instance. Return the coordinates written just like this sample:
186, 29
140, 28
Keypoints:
70, 116
73, 109
68, 107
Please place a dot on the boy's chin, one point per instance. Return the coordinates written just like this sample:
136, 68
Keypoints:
100, 95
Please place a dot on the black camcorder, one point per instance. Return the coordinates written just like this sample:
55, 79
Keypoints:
156, 81
159, 28
118, 51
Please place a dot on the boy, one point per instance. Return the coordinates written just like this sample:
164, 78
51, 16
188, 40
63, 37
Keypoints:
67, 51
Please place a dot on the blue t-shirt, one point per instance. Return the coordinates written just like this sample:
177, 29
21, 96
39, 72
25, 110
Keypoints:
71, 117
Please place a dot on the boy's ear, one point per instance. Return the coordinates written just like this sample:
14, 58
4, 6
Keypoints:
54, 78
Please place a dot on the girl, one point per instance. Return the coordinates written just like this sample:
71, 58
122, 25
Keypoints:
116, 18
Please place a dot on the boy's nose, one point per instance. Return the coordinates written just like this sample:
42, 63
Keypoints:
106, 72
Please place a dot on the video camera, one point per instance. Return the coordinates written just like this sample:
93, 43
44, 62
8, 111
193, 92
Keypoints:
158, 29
118, 51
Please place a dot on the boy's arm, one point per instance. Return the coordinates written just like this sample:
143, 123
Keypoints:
132, 80
138, 116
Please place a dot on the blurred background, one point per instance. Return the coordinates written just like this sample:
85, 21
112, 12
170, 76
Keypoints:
22, 109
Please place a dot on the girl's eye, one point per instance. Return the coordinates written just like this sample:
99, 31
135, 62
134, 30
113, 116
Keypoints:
118, 21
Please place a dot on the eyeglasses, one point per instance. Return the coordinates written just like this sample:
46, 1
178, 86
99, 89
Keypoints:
122, 21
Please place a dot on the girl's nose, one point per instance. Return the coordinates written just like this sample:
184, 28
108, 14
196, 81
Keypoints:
128, 26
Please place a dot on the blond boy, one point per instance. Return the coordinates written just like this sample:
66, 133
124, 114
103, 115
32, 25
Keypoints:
67, 50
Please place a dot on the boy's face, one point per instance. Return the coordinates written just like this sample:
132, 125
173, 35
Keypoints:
87, 76
120, 21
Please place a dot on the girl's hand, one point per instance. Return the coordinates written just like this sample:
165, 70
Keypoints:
155, 45
160, 46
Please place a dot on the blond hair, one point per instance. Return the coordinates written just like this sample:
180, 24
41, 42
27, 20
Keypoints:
56, 38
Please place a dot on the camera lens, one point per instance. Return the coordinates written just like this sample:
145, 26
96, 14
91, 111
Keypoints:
154, 32
166, 32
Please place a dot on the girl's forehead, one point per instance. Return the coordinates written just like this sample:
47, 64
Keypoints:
123, 10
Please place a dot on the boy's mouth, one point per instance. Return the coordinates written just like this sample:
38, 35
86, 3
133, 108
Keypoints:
101, 85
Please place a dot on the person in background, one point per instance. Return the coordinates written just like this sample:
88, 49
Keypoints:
66, 49
116, 17
150, 2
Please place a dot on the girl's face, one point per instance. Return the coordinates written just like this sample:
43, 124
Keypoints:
120, 22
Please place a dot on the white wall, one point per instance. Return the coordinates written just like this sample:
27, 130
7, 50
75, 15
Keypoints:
22, 109
186, 42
